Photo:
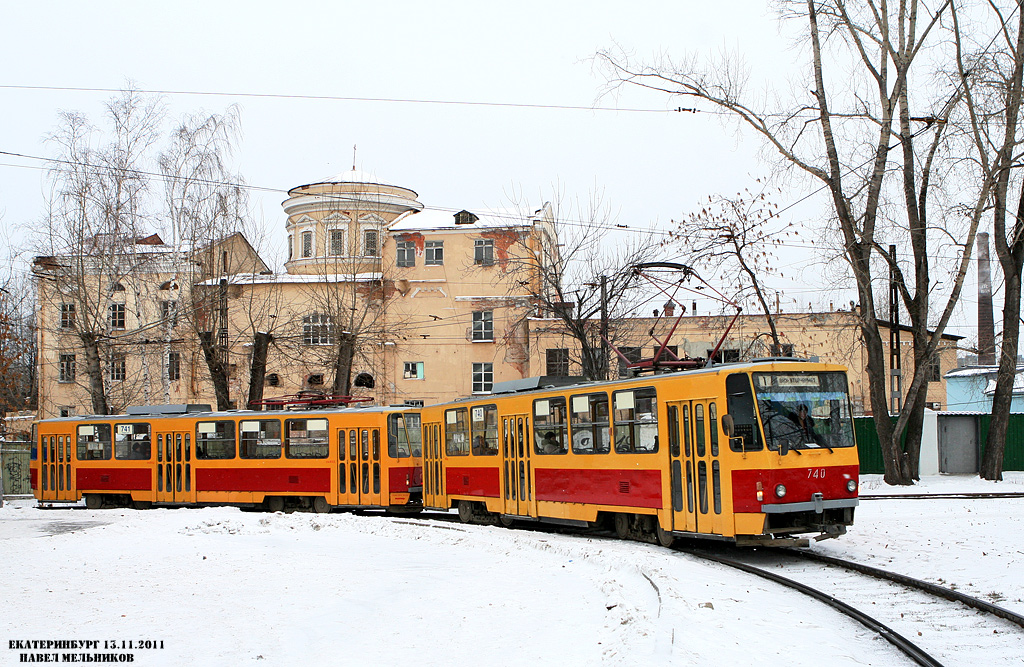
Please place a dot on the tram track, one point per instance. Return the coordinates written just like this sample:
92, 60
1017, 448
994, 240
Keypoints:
941, 496
902, 607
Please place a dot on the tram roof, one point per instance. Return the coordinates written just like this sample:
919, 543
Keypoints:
139, 413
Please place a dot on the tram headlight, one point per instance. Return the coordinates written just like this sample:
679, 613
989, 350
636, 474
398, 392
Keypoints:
851, 485
780, 490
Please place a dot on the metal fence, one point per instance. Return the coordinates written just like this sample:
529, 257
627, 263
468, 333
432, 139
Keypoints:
870, 451
14, 467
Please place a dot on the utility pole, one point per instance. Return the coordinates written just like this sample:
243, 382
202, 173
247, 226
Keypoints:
604, 327
895, 366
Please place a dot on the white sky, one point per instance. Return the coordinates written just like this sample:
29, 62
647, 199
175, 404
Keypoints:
652, 167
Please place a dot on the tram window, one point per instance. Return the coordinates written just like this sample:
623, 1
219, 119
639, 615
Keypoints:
214, 440
484, 426
132, 442
456, 432
364, 439
353, 452
42, 446
589, 424
93, 443
713, 423
260, 439
673, 431
404, 435
376, 445
716, 485
740, 402
305, 439
698, 429
341, 444
549, 426
636, 421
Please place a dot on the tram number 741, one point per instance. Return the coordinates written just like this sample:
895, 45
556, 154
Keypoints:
816, 473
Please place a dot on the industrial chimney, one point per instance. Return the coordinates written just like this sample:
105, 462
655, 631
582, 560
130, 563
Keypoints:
986, 327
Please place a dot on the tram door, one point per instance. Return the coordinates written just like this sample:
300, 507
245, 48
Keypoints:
695, 467
362, 485
433, 467
516, 473
55, 470
175, 476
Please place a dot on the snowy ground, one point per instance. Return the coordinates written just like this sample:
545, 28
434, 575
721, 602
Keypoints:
224, 587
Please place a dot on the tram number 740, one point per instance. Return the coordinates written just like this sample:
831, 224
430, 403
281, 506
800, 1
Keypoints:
816, 473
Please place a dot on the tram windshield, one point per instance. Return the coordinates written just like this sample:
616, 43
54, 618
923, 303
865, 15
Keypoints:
804, 410
404, 435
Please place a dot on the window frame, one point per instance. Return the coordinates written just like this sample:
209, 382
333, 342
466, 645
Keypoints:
83, 449
173, 361
550, 416
456, 432
483, 326
375, 248
487, 430
628, 432
333, 234
317, 329
68, 316
203, 449
248, 448
318, 446
483, 252
560, 364
66, 367
433, 253
590, 425
125, 449
412, 370
117, 316
310, 251
405, 254
483, 371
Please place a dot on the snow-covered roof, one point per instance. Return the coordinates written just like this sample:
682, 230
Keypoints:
445, 219
354, 176
294, 278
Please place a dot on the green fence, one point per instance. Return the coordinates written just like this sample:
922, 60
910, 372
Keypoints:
1013, 455
870, 451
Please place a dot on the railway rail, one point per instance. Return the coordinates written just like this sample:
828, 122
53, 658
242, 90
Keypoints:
939, 496
917, 608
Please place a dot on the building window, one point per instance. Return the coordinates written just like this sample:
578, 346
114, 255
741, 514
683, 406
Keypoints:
317, 329
117, 316
413, 370
336, 242
558, 362
67, 411
671, 352
169, 313
272, 380
434, 253
633, 354
371, 243
406, 253
935, 370
116, 367
483, 325
307, 244
173, 366
483, 377
315, 380
67, 316
724, 356
67, 368
289, 246
483, 252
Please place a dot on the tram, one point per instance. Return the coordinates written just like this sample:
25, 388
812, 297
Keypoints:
367, 457
755, 453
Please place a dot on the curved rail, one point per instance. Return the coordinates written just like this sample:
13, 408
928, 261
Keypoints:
911, 650
910, 582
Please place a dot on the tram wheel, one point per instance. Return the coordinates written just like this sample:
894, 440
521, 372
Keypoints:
274, 503
506, 520
665, 538
142, 504
465, 511
320, 505
94, 501
622, 526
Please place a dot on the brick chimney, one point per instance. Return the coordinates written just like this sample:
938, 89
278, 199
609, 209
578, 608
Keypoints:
986, 327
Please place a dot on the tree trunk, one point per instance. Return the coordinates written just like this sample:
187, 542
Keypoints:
218, 371
995, 444
258, 368
94, 374
343, 365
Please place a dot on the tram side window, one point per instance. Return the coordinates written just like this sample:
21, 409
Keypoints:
636, 421
132, 442
94, 442
261, 439
589, 421
746, 433
215, 440
550, 426
404, 436
305, 439
484, 424
456, 432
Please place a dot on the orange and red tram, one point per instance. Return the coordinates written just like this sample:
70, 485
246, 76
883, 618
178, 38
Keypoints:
186, 455
755, 453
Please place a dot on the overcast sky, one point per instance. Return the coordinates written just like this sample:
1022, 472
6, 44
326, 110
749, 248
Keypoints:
651, 166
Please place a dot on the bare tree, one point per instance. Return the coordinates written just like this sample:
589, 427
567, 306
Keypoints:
17, 346
992, 74
90, 234
873, 142
582, 275
734, 237
207, 207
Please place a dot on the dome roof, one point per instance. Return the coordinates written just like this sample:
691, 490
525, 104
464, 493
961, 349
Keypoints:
354, 176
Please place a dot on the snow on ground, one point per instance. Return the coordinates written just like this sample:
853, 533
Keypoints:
218, 586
